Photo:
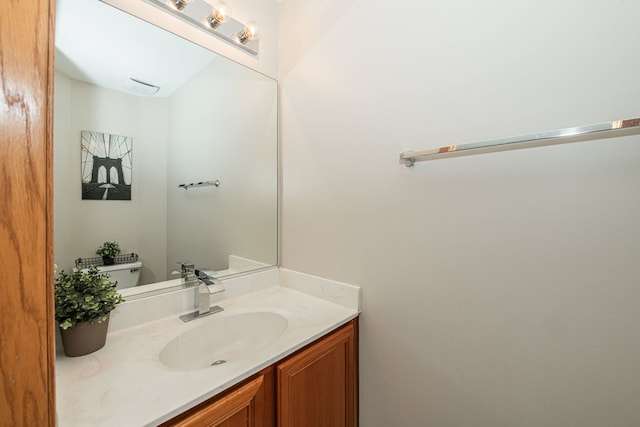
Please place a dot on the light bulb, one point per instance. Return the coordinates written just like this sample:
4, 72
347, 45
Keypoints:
251, 31
220, 13
180, 4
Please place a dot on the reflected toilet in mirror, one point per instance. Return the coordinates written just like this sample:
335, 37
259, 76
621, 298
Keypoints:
126, 275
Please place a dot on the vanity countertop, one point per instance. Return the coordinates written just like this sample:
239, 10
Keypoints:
125, 384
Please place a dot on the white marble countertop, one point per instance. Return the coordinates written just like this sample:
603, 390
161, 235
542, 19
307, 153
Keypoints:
125, 384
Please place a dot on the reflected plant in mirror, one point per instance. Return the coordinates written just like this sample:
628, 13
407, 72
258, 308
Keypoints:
195, 117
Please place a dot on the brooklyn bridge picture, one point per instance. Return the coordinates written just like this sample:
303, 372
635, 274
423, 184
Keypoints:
106, 166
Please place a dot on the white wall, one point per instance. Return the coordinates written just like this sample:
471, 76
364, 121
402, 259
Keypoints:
223, 126
139, 225
499, 290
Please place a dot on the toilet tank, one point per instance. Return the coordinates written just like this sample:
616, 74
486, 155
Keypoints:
127, 275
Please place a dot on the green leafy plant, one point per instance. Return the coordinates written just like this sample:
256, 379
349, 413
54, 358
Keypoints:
108, 249
84, 297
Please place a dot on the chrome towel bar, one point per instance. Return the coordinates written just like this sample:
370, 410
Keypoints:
561, 136
200, 184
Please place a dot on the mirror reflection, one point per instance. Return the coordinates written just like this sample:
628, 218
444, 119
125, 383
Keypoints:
141, 114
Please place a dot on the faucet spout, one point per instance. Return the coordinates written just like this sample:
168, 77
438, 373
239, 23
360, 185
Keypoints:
214, 285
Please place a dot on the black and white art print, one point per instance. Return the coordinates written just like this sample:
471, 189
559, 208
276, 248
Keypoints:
106, 166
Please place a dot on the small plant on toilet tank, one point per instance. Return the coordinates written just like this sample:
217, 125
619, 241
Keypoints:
108, 251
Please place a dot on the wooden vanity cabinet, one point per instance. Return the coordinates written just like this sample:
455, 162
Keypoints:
315, 387
248, 404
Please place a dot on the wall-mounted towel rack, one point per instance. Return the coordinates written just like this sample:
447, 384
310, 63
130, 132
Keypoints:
200, 184
561, 136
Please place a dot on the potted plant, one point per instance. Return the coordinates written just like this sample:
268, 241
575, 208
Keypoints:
108, 251
83, 302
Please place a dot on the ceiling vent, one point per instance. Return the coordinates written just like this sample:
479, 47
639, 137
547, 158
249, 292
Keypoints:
142, 88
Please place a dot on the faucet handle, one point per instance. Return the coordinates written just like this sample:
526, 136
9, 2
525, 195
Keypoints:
187, 271
186, 266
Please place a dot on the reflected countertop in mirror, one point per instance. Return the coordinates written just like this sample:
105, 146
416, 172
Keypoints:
210, 119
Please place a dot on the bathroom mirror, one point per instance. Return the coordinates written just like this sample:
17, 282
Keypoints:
175, 114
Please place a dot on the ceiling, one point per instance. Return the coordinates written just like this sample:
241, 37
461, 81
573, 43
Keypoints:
100, 44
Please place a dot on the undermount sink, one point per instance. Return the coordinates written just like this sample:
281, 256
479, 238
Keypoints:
223, 339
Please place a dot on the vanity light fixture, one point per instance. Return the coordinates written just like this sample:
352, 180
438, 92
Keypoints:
251, 31
214, 17
180, 4
220, 13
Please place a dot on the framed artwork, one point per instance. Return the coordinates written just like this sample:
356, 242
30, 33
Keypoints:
106, 166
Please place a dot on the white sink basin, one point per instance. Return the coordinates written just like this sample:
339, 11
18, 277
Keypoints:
221, 340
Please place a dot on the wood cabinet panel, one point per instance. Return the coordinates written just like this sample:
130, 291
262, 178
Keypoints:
26, 265
249, 404
317, 387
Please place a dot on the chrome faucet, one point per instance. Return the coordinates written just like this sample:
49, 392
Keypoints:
204, 285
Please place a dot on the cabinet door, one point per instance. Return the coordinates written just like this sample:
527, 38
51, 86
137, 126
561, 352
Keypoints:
317, 387
249, 405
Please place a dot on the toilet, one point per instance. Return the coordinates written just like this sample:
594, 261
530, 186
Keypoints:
127, 275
